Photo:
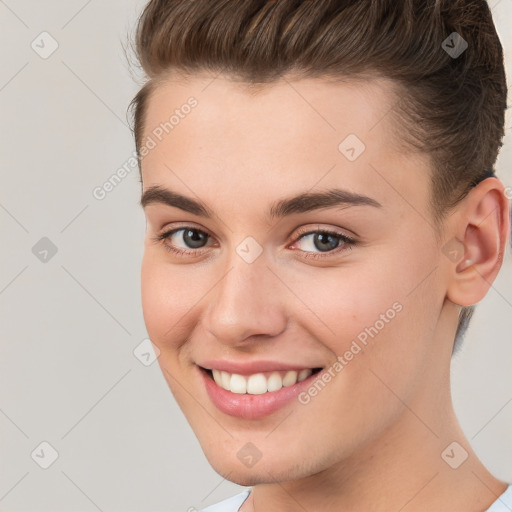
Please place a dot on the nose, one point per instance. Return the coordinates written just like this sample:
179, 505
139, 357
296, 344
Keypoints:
247, 302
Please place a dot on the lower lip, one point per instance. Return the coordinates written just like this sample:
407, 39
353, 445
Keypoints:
252, 407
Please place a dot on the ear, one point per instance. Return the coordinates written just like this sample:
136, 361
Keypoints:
482, 228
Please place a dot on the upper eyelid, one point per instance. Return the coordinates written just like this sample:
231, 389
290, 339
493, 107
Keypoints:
335, 231
172, 231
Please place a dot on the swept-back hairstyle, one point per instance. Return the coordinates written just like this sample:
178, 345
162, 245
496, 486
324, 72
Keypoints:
450, 101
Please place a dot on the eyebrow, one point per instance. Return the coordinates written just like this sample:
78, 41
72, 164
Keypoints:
301, 203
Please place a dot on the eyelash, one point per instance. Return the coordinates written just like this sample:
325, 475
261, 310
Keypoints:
347, 241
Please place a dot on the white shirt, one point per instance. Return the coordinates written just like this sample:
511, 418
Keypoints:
233, 504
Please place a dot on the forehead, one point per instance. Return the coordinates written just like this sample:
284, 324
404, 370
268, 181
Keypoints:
312, 108
288, 135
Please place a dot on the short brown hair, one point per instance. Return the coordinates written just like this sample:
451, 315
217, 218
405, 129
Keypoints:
449, 106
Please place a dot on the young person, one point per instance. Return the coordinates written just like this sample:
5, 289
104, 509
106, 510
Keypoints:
322, 216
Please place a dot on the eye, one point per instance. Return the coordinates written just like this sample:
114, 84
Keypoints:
325, 241
192, 239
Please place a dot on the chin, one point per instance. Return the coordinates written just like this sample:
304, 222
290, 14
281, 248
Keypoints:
248, 477
266, 471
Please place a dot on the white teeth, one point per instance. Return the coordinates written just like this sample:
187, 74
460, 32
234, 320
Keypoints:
225, 377
274, 382
290, 378
257, 384
220, 378
304, 374
238, 384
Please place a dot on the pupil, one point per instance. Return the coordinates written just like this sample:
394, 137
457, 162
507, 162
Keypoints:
193, 238
324, 238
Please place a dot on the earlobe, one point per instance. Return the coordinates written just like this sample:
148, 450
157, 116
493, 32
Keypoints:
482, 228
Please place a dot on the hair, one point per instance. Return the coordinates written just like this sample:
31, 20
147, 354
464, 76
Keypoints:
450, 107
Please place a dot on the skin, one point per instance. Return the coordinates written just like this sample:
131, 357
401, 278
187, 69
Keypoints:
372, 438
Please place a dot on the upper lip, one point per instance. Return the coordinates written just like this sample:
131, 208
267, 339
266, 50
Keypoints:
251, 367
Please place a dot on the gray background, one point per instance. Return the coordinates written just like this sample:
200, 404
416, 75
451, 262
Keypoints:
69, 325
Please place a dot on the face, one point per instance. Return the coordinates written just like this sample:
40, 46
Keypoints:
240, 278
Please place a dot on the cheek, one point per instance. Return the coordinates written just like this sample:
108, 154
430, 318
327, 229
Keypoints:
381, 331
344, 302
168, 295
381, 314
167, 303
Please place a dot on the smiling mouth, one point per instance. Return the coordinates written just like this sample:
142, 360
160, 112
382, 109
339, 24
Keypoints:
258, 383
